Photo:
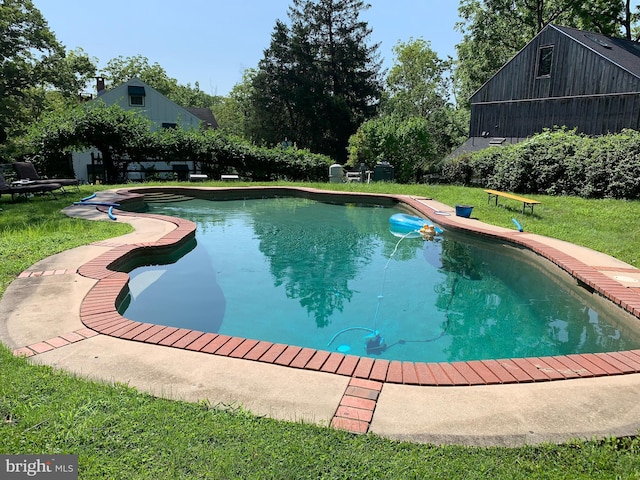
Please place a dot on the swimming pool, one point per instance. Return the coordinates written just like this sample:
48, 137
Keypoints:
335, 274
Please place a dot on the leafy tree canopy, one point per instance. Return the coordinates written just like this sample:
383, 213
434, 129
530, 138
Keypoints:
419, 85
234, 112
318, 80
32, 63
418, 82
121, 69
115, 132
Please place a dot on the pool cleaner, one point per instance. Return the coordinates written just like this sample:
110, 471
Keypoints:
348, 329
403, 226
374, 343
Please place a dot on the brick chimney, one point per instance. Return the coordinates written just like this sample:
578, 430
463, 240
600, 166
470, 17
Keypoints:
100, 84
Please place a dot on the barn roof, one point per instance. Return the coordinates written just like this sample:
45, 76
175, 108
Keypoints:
624, 53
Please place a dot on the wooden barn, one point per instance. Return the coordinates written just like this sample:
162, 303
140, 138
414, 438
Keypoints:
563, 77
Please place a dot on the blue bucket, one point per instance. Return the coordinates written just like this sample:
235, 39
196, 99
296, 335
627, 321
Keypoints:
463, 210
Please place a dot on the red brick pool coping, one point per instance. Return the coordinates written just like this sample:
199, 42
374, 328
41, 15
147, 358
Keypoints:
99, 314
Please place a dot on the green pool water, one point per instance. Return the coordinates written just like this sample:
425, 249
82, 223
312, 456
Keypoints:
333, 277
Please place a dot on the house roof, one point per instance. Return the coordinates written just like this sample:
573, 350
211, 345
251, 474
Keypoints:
623, 53
475, 144
204, 114
135, 86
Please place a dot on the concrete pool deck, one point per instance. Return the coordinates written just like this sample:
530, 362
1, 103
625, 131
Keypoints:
46, 313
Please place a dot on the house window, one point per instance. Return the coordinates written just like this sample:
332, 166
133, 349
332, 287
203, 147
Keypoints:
169, 125
136, 96
136, 101
545, 58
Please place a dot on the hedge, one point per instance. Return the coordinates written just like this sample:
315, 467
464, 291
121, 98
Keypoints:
555, 162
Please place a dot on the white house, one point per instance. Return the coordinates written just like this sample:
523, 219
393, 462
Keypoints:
163, 113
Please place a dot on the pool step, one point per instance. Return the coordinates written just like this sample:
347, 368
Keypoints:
160, 197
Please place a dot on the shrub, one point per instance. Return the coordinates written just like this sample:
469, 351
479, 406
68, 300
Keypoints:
623, 162
459, 170
556, 162
405, 143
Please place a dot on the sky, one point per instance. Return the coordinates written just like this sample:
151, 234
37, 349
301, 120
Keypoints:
213, 42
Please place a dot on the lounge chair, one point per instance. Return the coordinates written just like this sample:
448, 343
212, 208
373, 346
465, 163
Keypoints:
27, 171
27, 188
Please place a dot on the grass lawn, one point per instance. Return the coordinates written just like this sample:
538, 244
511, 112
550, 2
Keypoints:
120, 433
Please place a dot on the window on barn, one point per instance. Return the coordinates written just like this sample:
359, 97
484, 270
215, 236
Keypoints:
545, 57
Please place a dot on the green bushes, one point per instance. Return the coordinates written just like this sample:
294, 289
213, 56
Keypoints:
405, 143
267, 164
556, 162
217, 153
124, 137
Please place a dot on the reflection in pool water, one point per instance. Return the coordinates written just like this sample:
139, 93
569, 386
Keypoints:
333, 277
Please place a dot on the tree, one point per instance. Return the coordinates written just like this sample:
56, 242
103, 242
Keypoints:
32, 64
419, 85
234, 112
495, 30
630, 20
121, 69
121, 136
318, 80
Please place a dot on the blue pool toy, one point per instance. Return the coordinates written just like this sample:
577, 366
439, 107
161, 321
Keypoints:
401, 225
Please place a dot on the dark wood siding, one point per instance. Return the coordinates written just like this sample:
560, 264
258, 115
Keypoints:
593, 115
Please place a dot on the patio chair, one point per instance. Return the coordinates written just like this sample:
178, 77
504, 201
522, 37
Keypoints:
26, 189
27, 171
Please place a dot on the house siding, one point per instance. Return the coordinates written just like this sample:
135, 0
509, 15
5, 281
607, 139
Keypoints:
158, 109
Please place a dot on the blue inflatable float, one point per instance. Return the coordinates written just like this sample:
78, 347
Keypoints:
401, 225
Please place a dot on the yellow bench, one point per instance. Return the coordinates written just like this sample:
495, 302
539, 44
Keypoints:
526, 202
